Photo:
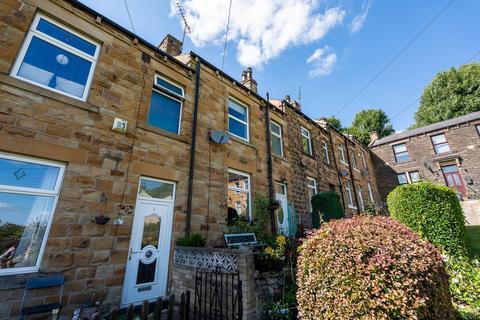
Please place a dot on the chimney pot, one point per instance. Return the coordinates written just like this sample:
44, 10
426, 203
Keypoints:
248, 81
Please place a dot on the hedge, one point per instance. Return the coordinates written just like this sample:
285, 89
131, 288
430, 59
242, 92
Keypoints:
371, 267
433, 211
328, 205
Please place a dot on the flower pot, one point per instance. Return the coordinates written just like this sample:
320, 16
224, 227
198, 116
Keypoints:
101, 220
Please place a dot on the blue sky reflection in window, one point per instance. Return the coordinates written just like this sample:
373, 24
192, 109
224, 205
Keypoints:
57, 59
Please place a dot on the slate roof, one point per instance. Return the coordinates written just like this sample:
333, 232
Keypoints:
430, 128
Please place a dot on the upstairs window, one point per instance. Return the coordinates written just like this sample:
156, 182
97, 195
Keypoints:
325, 152
57, 58
306, 141
29, 190
341, 151
276, 136
237, 119
440, 144
362, 154
354, 160
401, 152
402, 178
166, 105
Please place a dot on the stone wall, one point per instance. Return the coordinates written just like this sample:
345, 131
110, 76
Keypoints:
464, 142
187, 262
471, 209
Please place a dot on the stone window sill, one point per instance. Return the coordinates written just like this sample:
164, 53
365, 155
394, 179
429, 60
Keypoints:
147, 127
19, 84
280, 158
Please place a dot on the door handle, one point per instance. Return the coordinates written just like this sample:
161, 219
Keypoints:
130, 252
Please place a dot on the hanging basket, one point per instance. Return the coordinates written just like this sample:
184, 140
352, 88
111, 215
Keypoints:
101, 220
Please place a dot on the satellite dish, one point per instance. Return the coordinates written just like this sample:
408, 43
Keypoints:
219, 137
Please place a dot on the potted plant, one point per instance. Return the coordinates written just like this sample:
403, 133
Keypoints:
102, 218
273, 257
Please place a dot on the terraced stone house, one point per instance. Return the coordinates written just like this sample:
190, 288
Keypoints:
111, 148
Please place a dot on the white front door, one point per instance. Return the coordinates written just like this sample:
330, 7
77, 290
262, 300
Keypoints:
147, 265
281, 213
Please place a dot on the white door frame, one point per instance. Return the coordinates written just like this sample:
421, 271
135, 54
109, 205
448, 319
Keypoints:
161, 274
283, 198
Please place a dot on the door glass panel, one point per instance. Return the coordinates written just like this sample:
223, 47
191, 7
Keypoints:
280, 189
155, 189
449, 169
280, 214
146, 272
151, 230
28, 175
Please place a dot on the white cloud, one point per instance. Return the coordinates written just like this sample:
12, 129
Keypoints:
261, 29
323, 61
359, 20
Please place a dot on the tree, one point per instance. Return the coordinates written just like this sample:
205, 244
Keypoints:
451, 94
369, 120
334, 122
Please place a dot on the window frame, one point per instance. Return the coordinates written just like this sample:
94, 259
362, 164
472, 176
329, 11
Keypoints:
246, 123
242, 190
325, 152
440, 144
169, 94
395, 153
33, 32
360, 196
348, 189
370, 192
280, 136
354, 160
364, 160
477, 127
410, 176
341, 150
307, 136
314, 187
55, 194
406, 178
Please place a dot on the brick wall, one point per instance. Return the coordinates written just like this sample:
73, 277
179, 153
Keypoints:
464, 143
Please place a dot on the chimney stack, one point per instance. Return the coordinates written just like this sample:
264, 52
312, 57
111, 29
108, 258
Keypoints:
248, 81
171, 45
373, 136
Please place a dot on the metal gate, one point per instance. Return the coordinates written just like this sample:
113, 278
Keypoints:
218, 295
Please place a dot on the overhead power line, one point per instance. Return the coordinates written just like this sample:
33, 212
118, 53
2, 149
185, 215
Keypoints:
418, 99
129, 16
226, 34
379, 73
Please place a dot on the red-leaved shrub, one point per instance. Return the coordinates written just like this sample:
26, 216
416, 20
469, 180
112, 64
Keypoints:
371, 267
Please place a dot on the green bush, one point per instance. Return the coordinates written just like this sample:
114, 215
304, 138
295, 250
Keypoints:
326, 206
371, 267
464, 280
260, 223
191, 240
433, 211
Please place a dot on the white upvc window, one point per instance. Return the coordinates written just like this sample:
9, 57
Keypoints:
57, 58
440, 144
312, 190
166, 103
370, 193
364, 161
325, 152
348, 189
360, 198
478, 129
354, 159
239, 193
402, 178
306, 141
401, 152
29, 190
276, 137
238, 119
341, 151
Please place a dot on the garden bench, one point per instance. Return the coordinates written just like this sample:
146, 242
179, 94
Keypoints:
41, 283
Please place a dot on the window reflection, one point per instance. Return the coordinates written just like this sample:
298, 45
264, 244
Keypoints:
155, 189
238, 195
151, 230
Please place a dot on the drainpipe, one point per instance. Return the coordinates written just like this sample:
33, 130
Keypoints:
192, 149
336, 167
271, 191
351, 174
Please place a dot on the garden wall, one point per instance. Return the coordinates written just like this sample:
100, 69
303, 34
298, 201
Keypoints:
471, 209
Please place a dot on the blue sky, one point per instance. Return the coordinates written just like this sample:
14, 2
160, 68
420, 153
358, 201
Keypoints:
329, 48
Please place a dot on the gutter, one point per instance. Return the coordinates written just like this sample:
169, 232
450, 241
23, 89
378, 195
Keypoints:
271, 190
192, 149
